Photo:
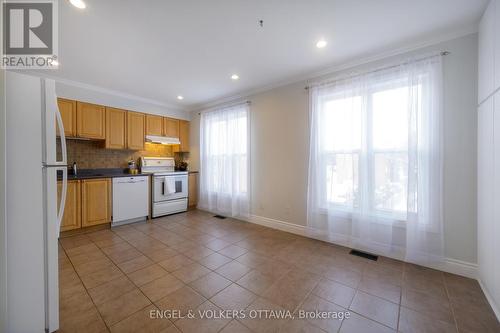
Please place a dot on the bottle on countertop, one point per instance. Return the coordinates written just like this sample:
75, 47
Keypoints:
74, 168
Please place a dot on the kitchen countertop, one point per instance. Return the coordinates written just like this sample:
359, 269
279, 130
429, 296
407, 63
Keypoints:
100, 173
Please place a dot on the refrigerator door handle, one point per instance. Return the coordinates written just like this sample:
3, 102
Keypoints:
60, 213
60, 124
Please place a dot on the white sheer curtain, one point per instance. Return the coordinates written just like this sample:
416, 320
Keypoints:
224, 163
375, 168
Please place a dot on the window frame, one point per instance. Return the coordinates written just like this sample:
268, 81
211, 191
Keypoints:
366, 113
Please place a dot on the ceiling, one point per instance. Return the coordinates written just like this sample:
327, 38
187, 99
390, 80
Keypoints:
158, 49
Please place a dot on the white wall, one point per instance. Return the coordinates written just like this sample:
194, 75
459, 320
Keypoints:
280, 144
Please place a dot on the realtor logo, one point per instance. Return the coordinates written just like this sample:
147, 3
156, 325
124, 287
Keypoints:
29, 38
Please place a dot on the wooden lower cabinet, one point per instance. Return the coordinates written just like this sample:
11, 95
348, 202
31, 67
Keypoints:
193, 189
72, 218
96, 201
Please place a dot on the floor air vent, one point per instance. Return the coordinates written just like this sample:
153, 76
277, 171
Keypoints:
220, 217
364, 255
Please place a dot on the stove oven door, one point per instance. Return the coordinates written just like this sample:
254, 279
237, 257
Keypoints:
170, 187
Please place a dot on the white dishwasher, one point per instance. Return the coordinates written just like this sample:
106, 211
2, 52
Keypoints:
130, 199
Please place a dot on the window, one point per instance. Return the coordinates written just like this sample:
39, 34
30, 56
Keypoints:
364, 142
224, 146
376, 162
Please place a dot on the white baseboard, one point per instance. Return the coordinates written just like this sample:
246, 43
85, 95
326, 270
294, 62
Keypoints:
450, 265
490, 299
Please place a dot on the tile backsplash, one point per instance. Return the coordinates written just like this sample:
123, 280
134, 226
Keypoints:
92, 154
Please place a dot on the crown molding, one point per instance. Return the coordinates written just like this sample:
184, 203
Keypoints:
457, 33
110, 92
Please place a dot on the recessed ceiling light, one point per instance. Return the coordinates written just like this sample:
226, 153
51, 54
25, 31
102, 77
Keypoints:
321, 43
235, 77
180, 97
78, 3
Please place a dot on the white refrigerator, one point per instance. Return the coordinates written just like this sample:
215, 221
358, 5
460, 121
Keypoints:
33, 211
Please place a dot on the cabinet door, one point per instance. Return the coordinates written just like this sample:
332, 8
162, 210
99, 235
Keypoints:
486, 56
67, 108
96, 201
116, 128
193, 189
72, 218
135, 130
90, 121
154, 125
184, 135
171, 127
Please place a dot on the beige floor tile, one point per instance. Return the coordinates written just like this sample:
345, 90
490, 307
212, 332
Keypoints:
158, 255
235, 327
376, 308
289, 291
135, 264
233, 270
111, 290
217, 244
358, 324
74, 241
210, 284
435, 308
313, 304
300, 326
191, 272
343, 275
335, 292
198, 252
206, 325
256, 282
142, 321
413, 322
123, 255
123, 306
161, 287
472, 317
232, 251
263, 323
147, 274
176, 262
93, 266
183, 300
88, 321
233, 297
214, 261
101, 276
383, 290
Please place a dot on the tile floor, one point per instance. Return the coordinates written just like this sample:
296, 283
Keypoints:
110, 280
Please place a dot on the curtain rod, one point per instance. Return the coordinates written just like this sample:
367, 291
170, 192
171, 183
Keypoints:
226, 106
443, 53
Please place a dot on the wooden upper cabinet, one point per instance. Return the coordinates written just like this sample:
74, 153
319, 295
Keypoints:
171, 127
72, 218
90, 121
67, 108
135, 130
184, 135
116, 128
154, 125
96, 201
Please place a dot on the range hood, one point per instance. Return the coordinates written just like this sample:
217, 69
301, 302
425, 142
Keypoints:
164, 140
